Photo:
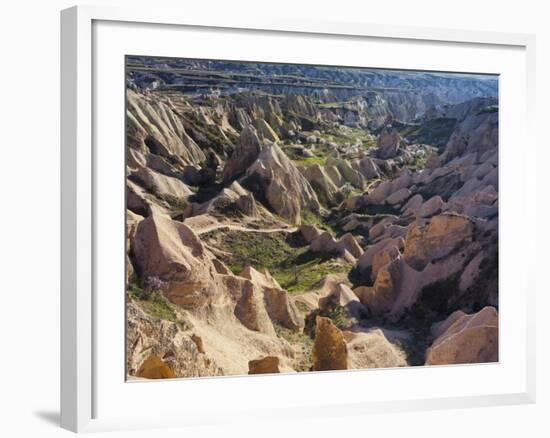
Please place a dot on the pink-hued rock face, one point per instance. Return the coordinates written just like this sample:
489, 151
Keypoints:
440, 237
172, 252
284, 218
286, 189
466, 339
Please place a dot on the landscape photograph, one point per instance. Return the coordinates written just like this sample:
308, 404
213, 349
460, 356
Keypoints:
288, 218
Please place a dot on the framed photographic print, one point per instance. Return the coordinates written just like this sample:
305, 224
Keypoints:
262, 206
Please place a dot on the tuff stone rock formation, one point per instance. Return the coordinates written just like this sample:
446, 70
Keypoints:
172, 252
372, 349
284, 187
330, 350
158, 349
277, 302
440, 237
266, 365
228, 167
389, 142
246, 151
345, 247
154, 368
466, 339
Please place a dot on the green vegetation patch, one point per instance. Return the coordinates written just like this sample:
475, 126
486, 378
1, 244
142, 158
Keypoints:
434, 132
205, 135
302, 344
295, 267
488, 110
343, 135
153, 303
321, 153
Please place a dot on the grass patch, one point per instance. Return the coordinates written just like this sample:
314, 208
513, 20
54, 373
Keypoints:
310, 161
435, 132
488, 110
304, 271
311, 218
344, 135
303, 346
295, 267
153, 303
321, 153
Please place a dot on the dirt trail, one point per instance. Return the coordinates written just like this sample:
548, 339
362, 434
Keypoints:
203, 225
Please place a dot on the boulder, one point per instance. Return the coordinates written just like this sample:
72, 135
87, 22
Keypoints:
327, 244
368, 168
329, 349
280, 308
154, 368
321, 182
412, 205
366, 259
309, 232
342, 296
349, 174
265, 365
372, 349
440, 237
399, 197
466, 339
250, 308
431, 207
165, 187
171, 251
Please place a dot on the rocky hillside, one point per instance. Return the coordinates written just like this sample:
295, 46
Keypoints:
296, 218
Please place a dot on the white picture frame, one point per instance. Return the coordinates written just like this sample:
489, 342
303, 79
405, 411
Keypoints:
80, 377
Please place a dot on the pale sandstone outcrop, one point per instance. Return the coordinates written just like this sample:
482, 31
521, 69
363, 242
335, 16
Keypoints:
412, 205
468, 339
368, 168
246, 151
162, 185
153, 125
366, 259
161, 349
440, 237
321, 182
251, 311
431, 207
372, 349
429, 256
325, 243
171, 251
309, 232
389, 143
285, 188
309, 301
342, 296
265, 131
329, 350
399, 196
349, 174
277, 302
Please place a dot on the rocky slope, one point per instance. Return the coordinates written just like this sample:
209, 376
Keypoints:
303, 218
